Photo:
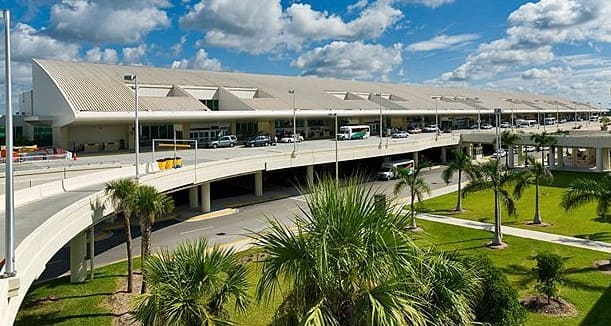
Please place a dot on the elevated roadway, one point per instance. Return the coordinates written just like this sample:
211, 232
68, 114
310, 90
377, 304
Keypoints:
50, 215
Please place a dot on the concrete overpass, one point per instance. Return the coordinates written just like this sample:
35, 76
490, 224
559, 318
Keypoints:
50, 215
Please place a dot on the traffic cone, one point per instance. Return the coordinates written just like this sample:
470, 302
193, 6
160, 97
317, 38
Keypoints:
74, 156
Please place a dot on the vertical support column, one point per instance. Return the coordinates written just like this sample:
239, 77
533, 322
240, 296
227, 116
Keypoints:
444, 155
511, 157
551, 157
259, 183
78, 251
574, 157
193, 197
415, 158
599, 159
91, 252
205, 197
605, 159
520, 154
560, 156
310, 174
470, 151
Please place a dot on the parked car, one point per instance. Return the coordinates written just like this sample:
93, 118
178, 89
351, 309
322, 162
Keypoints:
224, 141
431, 128
486, 126
505, 124
529, 148
290, 138
414, 130
499, 154
260, 140
400, 134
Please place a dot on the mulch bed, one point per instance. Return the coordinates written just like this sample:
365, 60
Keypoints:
503, 245
120, 303
603, 266
541, 225
556, 307
254, 257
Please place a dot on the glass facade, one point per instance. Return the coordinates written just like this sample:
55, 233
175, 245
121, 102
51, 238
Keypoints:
246, 129
43, 136
148, 132
211, 104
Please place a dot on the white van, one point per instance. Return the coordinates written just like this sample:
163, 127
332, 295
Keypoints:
389, 170
549, 121
528, 123
594, 118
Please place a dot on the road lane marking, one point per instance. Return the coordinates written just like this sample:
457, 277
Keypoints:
200, 229
219, 213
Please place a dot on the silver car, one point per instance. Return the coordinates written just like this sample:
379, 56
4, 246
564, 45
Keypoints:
224, 141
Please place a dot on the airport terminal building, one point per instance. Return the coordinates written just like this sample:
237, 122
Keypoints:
90, 107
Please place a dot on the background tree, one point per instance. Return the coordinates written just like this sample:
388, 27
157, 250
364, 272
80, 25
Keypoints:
148, 204
192, 285
118, 192
411, 178
535, 174
549, 274
492, 176
584, 190
543, 140
350, 262
461, 162
509, 139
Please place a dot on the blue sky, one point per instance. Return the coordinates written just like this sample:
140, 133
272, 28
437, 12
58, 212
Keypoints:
550, 46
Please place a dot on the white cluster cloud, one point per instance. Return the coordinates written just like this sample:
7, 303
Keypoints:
98, 55
266, 27
28, 42
430, 3
545, 73
442, 42
115, 21
533, 30
350, 60
134, 55
201, 61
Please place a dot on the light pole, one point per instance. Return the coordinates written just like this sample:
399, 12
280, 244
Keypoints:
334, 115
557, 116
380, 94
497, 119
512, 100
292, 91
436, 97
136, 123
9, 221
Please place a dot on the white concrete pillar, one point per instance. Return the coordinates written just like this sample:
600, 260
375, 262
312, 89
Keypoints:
310, 174
193, 197
511, 157
574, 157
599, 159
444, 158
205, 197
91, 236
470, 151
560, 156
259, 183
78, 251
415, 158
551, 160
605, 159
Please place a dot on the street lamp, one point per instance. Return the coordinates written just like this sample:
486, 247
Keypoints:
557, 116
136, 124
436, 97
380, 95
9, 201
497, 119
292, 91
334, 115
512, 100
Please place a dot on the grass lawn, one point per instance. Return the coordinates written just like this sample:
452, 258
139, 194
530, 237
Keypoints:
588, 289
582, 222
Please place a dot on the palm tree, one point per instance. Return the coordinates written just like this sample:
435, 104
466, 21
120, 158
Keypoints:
148, 204
492, 175
583, 191
118, 192
509, 139
417, 185
192, 285
460, 163
533, 175
543, 140
350, 262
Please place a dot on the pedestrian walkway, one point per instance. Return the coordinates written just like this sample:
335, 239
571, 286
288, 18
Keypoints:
508, 230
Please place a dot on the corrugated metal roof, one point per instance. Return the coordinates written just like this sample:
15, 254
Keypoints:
100, 88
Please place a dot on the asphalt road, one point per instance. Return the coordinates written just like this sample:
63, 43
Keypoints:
225, 229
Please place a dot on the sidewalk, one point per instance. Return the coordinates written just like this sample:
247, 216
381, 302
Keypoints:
508, 230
